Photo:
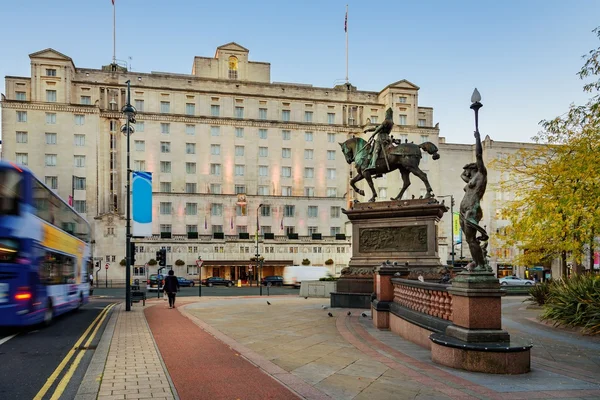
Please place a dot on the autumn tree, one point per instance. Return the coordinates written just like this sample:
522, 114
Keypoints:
556, 210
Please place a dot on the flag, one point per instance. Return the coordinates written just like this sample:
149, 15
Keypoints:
345, 21
113, 1
71, 200
231, 222
281, 223
205, 226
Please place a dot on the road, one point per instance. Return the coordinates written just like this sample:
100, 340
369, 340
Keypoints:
119, 293
30, 359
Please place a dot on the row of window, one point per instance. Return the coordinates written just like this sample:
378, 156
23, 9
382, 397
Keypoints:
216, 209
167, 228
263, 190
50, 160
51, 138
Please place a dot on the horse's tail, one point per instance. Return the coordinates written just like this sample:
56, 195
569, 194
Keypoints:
430, 148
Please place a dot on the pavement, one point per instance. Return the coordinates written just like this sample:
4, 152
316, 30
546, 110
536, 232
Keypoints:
244, 348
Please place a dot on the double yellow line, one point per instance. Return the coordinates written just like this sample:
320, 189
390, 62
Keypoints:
69, 374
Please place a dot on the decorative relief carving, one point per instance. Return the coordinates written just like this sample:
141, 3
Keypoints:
404, 238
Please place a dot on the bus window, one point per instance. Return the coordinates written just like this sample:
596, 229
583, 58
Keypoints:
10, 191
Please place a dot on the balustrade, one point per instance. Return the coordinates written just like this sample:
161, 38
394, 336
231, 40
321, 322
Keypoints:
427, 298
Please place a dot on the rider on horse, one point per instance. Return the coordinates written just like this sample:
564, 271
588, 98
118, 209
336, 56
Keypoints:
382, 138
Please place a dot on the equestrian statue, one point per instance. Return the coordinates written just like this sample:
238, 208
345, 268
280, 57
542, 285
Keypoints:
382, 154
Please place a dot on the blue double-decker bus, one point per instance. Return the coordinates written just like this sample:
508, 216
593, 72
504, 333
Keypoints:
44, 251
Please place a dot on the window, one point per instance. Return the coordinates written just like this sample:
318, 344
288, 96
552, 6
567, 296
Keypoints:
309, 191
240, 189
402, 99
190, 130
51, 96
263, 152
165, 166
309, 172
166, 228
424, 138
239, 132
216, 209
263, 190
239, 151
78, 183
239, 170
22, 116
239, 112
139, 165
165, 147
374, 119
79, 206
21, 96
331, 192
139, 105
265, 211
286, 172
313, 229
79, 161
233, 67
165, 207
215, 131
334, 230
215, 110
215, 169
86, 100
331, 137
285, 115
308, 136
241, 210
286, 135
331, 154
165, 128
288, 211
165, 187
140, 145
331, 118
286, 153
190, 148
190, 167
262, 113
190, 108
402, 119
50, 160
139, 126
191, 208
263, 170
51, 182
22, 158
403, 138
50, 118
262, 133
218, 228
165, 107
190, 187
50, 138
421, 122
79, 119
335, 212
215, 188
330, 173
383, 193
21, 137
313, 211
286, 190
192, 228
215, 149
50, 72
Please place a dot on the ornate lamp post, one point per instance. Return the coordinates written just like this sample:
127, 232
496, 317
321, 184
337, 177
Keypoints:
451, 226
129, 111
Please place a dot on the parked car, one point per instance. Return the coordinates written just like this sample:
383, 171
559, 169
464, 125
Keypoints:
155, 282
216, 280
185, 282
274, 280
515, 280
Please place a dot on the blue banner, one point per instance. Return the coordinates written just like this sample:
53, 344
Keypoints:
142, 203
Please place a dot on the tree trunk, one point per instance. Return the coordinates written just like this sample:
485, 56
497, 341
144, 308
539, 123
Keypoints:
563, 264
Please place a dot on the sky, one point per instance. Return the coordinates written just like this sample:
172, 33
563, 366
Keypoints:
523, 56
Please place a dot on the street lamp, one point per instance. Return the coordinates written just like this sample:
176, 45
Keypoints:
257, 253
129, 112
451, 226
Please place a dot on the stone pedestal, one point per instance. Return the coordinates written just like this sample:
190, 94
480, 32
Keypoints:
403, 232
384, 293
475, 341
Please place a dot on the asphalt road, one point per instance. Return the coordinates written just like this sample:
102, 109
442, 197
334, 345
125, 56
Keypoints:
31, 356
119, 293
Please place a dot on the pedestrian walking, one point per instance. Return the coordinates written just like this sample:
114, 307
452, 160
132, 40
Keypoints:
171, 288
91, 280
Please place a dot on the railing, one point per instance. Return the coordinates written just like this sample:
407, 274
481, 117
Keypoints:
427, 298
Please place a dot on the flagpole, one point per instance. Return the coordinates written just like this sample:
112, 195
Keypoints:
346, 26
114, 33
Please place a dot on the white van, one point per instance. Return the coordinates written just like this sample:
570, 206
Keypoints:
295, 274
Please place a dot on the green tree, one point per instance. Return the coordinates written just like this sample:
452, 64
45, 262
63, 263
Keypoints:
556, 211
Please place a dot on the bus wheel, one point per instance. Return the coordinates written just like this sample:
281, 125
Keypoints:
48, 314
80, 303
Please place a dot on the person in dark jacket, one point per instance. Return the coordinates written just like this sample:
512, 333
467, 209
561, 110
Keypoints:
171, 288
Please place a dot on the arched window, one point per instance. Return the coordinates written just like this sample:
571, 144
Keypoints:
233, 67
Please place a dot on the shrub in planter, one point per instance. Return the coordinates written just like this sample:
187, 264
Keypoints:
123, 262
152, 262
179, 263
329, 278
306, 261
539, 293
329, 262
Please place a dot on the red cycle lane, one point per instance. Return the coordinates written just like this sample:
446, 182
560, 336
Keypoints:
203, 367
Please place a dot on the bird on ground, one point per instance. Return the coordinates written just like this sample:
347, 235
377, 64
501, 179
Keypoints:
268, 302
324, 307
305, 297
330, 314
349, 313
364, 314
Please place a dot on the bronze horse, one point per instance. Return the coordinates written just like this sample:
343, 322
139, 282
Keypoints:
404, 157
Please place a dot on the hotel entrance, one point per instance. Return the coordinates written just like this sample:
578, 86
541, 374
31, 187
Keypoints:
244, 270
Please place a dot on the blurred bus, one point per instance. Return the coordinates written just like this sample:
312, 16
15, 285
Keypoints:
44, 251
295, 274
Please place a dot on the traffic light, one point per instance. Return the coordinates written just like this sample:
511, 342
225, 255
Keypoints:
158, 255
163, 257
132, 252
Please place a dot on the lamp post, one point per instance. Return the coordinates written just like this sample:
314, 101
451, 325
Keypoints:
451, 226
129, 112
257, 253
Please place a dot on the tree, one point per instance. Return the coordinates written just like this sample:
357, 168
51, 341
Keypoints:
556, 211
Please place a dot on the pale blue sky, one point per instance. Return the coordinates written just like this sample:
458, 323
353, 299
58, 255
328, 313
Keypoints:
523, 55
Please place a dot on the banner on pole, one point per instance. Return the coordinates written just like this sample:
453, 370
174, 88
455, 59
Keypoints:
142, 203
456, 228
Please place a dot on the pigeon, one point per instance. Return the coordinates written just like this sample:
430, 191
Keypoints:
330, 314
324, 307
364, 314
306, 297
268, 303
349, 313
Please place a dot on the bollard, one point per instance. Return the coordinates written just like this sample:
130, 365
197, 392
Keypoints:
239, 283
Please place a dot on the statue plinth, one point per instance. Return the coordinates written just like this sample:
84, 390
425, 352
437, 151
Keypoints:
403, 232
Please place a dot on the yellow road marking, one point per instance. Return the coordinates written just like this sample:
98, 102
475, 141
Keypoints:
62, 385
63, 363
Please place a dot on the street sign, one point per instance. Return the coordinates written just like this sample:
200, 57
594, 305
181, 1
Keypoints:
106, 265
199, 263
